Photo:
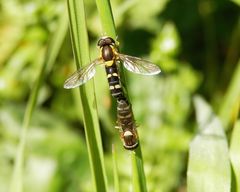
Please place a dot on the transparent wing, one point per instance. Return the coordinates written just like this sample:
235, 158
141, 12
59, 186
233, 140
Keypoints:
138, 65
82, 75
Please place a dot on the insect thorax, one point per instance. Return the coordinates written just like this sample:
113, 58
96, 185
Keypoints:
107, 53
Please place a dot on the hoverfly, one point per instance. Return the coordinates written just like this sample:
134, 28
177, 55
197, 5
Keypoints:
110, 57
126, 125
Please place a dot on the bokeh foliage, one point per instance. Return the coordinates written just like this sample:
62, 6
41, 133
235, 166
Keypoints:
196, 44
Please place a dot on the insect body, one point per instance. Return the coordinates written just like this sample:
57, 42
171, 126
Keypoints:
126, 125
110, 57
114, 81
108, 54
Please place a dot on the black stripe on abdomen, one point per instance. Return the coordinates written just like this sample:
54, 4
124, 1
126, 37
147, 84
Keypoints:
114, 82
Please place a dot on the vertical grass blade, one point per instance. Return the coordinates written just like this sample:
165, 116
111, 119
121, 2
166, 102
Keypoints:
209, 166
230, 106
51, 54
107, 21
89, 109
235, 154
106, 17
115, 170
233, 51
108, 28
139, 180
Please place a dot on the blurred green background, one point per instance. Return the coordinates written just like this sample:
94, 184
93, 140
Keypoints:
195, 43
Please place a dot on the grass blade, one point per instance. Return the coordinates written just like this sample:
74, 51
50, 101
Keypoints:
115, 170
139, 180
106, 16
89, 110
235, 154
230, 108
108, 28
206, 172
51, 54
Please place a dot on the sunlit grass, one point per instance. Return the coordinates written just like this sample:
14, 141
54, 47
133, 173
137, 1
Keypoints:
88, 106
107, 21
115, 170
194, 50
230, 107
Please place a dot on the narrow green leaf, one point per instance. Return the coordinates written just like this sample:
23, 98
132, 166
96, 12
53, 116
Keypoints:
51, 54
115, 170
230, 106
209, 166
235, 154
108, 27
88, 102
106, 16
139, 180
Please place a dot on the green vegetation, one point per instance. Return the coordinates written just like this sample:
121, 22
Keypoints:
205, 171
87, 94
51, 139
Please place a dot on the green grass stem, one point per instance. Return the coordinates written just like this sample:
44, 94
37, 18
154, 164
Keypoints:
232, 53
230, 107
115, 171
50, 57
107, 21
139, 180
87, 94
106, 17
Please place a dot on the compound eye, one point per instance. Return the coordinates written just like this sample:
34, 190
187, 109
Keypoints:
100, 42
105, 41
109, 41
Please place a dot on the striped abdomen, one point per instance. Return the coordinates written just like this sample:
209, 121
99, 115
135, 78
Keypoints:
114, 81
126, 124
